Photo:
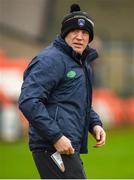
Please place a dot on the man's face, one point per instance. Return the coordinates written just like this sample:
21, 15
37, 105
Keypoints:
78, 40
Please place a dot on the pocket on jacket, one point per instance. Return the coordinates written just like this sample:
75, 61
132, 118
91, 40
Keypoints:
56, 113
58, 118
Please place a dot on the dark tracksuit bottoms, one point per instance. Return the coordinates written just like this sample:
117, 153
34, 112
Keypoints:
49, 170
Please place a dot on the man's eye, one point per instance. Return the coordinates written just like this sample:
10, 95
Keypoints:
75, 31
85, 32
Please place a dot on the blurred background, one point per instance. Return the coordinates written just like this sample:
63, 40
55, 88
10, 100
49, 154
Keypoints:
26, 27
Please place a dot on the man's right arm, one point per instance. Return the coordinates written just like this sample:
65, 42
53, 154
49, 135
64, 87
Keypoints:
39, 80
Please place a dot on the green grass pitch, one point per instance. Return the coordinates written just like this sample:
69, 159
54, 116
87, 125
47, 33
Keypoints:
114, 160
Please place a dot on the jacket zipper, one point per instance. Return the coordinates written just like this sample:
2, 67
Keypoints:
89, 85
86, 78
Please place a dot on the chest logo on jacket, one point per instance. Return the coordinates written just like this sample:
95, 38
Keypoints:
71, 74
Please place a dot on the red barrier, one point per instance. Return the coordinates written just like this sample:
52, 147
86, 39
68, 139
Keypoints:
11, 72
129, 110
109, 105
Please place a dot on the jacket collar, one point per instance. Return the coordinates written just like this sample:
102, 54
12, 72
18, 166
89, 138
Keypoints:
88, 55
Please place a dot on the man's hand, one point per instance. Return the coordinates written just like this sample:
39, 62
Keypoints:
64, 146
100, 135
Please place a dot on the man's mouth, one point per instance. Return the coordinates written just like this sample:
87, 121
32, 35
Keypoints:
77, 45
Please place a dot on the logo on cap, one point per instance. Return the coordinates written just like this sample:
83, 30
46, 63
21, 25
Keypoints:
81, 22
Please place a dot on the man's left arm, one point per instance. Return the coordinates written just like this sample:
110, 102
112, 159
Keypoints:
96, 129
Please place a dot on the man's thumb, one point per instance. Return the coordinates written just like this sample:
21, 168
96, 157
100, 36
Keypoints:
97, 135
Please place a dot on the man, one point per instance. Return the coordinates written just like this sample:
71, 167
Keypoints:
56, 99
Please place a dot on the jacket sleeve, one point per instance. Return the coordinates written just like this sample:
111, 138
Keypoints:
94, 120
40, 78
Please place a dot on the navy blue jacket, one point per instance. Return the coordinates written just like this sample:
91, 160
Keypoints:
56, 97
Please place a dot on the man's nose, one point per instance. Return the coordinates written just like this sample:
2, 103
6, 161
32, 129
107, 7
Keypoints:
79, 35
